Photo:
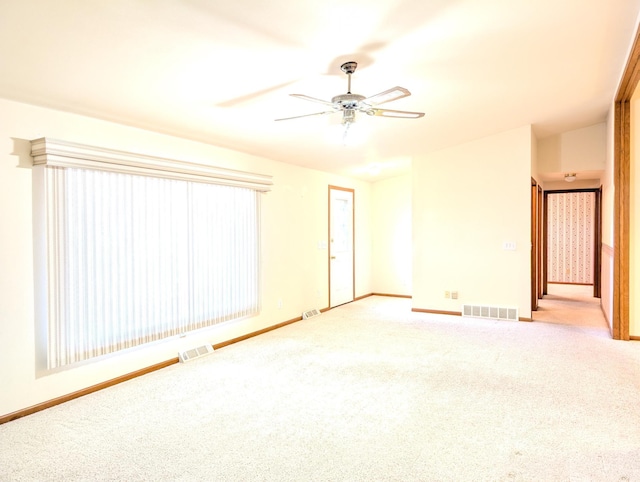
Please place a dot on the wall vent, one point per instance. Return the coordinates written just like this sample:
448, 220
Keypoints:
492, 312
310, 314
194, 353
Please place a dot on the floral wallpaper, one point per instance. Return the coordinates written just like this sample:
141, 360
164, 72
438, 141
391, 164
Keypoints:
570, 237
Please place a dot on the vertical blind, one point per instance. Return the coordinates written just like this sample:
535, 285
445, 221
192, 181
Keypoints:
139, 258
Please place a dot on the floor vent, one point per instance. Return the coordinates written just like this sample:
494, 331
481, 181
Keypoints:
310, 314
194, 353
492, 312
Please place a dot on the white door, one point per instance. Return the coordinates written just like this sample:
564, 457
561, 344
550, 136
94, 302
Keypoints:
341, 265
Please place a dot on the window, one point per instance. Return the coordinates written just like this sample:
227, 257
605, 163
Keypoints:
133, 257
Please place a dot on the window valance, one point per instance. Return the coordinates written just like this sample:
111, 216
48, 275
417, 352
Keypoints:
54, 152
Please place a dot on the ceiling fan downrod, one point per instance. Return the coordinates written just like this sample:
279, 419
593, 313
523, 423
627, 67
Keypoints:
349, 68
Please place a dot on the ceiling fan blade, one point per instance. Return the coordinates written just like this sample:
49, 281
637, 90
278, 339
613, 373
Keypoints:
395, 113
308, 115
387, 96
312, 99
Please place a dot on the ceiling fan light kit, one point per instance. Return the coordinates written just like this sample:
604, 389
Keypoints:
349, 104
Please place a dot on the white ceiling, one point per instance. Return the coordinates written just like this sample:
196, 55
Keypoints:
221, 71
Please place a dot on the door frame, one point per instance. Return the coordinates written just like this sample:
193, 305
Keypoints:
597, 237
622, 191
540, 240
535, 236
597, 280
353, 239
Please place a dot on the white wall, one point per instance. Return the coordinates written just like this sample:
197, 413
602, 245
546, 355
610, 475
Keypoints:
467, 201
294, 219
606, 300
578, 150
392, 243
535, 169
607, 183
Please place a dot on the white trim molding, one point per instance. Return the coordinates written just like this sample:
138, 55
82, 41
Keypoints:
54, 152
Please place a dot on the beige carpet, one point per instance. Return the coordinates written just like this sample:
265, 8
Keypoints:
366, 392
570, 305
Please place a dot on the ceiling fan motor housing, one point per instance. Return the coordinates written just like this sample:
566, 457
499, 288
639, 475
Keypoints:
348, 101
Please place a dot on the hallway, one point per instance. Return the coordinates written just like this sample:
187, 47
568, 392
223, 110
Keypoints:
570, 305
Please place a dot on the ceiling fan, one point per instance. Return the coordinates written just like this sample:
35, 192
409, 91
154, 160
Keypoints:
350, 103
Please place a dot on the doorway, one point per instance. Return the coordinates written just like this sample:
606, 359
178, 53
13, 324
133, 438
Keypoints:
571, 258
341, 246
572, 243
572, 238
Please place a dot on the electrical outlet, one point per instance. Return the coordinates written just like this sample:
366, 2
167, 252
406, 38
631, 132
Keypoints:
280, 303
447, 294
454, 295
